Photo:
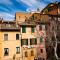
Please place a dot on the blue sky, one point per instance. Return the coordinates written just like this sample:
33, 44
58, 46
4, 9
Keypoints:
8, 8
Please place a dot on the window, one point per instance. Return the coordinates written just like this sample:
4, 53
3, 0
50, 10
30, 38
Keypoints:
41, 50
26, 54
41, 39
33, 41
5, 36
17, 50
32, 29
6, 51
24, 42
40, 27
17, 36
32, 53
23, 29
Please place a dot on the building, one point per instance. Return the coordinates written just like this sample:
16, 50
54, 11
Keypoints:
9, 40
41, 21
28, 40
21, 16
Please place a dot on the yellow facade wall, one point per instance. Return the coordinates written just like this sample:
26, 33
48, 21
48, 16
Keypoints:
11, 43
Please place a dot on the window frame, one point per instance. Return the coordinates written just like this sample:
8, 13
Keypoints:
33, 41
17, 38
17, 50
5, 52
24, 42
6, 37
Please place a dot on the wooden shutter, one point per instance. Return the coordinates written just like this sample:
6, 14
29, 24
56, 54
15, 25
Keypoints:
41, 39
23, 29
30, 41
26, 41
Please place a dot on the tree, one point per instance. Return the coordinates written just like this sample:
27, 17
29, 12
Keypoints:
52, 36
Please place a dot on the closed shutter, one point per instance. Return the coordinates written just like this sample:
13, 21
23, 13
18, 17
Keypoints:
30, 41
26, 41
32, 29
41, 39
23, 29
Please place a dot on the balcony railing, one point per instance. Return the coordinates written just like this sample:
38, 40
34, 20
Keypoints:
8, 26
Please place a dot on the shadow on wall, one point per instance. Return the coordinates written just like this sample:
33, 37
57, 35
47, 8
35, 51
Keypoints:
58, 50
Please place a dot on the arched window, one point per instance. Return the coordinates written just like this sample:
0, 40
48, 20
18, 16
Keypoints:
32, 53
26, 54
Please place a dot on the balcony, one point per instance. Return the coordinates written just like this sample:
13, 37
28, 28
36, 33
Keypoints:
8, 27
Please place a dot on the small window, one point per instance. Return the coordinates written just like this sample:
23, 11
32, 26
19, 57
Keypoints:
5, 36
32, 29
26, 54
41, 50
40, 27
17, 36
17, 50
23, 29
6, 51
32, 53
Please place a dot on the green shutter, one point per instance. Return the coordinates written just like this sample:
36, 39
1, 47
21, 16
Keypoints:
41, 39
35, 41
30, 41
23, 29
32, 29
26, 41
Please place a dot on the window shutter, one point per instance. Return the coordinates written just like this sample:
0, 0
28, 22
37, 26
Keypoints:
32, 29
41, 39
23, 29
35, 41
26, 41
30, 41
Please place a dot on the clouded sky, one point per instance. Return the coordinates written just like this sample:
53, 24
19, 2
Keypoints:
8, 8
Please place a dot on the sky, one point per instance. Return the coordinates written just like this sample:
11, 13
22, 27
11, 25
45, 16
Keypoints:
8, 8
